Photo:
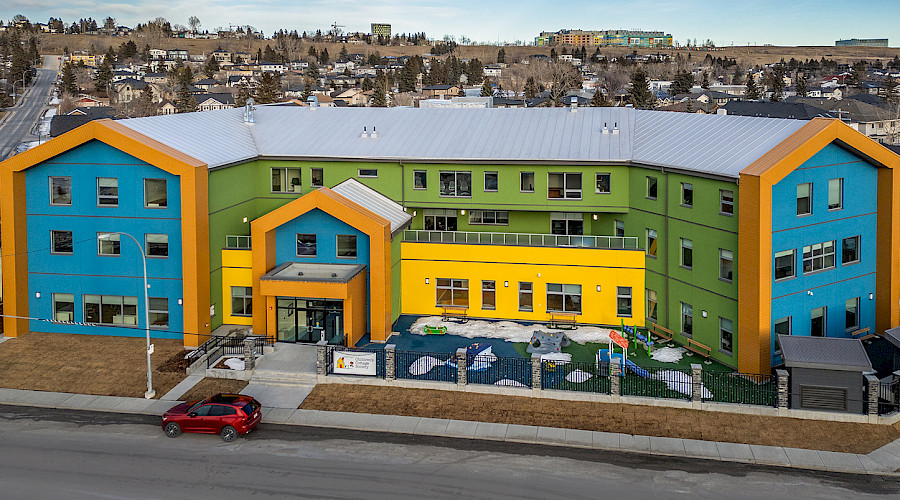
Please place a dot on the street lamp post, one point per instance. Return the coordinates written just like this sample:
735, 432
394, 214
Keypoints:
150, 392
16, 95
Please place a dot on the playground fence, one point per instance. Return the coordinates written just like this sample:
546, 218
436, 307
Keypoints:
671, 383
744, 388
575, 376
497, 370
417, 365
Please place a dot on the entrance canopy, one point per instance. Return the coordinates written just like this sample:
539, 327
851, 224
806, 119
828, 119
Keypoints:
311, 271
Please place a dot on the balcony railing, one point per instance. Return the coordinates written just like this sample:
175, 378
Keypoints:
237, 242
522, 239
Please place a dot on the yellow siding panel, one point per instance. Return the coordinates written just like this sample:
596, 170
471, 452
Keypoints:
236, 271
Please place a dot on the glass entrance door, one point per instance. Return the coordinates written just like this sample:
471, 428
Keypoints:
306, 320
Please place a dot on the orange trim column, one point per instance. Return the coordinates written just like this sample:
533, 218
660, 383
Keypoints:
14, 231
195, 255
887, 284
754, 278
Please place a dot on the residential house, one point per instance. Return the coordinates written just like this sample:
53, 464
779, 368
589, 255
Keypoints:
442, 91
211, 102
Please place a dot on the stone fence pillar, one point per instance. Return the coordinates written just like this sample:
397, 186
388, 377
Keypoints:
390, 360
696, 382
615, 378
536, 372
321, 361
461, 367
249, 354
872, 383
782, 380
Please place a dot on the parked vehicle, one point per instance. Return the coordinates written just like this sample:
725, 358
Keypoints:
228, 415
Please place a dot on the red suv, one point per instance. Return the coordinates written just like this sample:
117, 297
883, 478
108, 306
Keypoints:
228, 415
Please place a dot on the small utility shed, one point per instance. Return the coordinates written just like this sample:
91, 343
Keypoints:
826, 373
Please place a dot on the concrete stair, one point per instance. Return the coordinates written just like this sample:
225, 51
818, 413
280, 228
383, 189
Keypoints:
283, 378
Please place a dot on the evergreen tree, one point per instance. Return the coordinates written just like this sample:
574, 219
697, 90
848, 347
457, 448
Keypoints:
185, 102
68, 83
243, 93
474, 72
344, 55
367, 84
323, 56
640, 91
33, 54
683, 83
704, 82
486, 89
889, 90
211, 67
268, 88
802, 86
553, 55
599, 100
531, 88
379, 99
407, 77
752, 91
144, 105
461, 92
501, 55
104, 75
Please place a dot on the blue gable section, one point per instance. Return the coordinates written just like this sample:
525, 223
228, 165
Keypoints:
326, 228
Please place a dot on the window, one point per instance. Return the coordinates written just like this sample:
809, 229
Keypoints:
651, 188
491, 182
455, 184
726, 336
851, 317
781, 326
817, 322
526, 182
61, 191
526, 296
285, 180
651, 242
439, 219
835, 194
623, 301
452, 293
804, 198
620, 228
726, 202
64, 307
492, 217
564, 185
651, 304
726, 264
241, 301
488, 295
306, 245
850, 250
368, 172
346, 246
687, 194
318, 178
818, 257
687, 319
687, 253
157, 245
107, 191
61, 242
784, 264
566, 223
603, 183
420, 179
110, 310
108, 244
155, 195
563, 298
159, 312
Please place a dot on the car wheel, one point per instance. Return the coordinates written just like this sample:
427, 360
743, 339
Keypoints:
173, 429
228, 433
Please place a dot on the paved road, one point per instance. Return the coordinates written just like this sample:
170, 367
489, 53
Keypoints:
25, 115
61, 454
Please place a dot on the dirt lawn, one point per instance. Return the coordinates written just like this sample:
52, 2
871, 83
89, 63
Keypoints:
212, 386
89, 364
608, 417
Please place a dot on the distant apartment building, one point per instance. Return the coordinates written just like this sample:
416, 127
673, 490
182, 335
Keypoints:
862, 42
382, 30
625, 38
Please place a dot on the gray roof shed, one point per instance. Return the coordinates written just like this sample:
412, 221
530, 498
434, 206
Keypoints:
824, 353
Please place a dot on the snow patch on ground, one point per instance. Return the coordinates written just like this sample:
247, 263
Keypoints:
235, 363
506, 330
578, 376
668, 354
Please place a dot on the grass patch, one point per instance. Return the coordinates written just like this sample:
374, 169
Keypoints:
212, 386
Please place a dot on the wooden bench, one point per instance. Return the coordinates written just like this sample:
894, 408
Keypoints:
562, 320
454, 313
701, 349
659, 331
859, 332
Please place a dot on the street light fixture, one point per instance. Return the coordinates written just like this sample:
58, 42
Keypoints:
105, 236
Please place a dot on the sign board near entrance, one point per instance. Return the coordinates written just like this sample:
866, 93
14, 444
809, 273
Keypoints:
354, 363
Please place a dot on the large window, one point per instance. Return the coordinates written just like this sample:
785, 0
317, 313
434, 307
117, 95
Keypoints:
456, 184
651, 242
61, 242
726, 264
108, 244
306, 245
346, 246
317, 178
687, 253
526, 182
726, 336
651, 304
526, 296
155, 195
159, 312
107, 191
440, 219
818, 257
784, 264
491, 182
603, 182
687, 319
285, 180
851, 318
566, 223
817, 322
157, 245
687, 194
488, 294
60, 190
835, 194
563, 298
452, 293
651, 188
623, 301
241, 301
564, 185
64, 307
850, 250
490, 217
110, 310
726, 202
781, 326
420, 179
367, 172
804, 198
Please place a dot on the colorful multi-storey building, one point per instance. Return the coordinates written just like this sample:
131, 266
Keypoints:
310, 223
623, 38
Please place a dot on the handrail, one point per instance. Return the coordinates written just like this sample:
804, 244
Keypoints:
522, 239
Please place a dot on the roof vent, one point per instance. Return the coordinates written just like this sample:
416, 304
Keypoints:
334, 275
573, 107
374, 134
615, 128
300, 273
248, 111
605, 129
364, 134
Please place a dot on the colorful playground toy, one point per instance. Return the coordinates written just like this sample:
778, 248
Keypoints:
435, 330
544, 343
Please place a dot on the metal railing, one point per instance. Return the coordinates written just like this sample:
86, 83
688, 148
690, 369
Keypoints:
434, 366
744, 388
670, 383
497, 370
237, 242
575, 376
521, 239
234, 346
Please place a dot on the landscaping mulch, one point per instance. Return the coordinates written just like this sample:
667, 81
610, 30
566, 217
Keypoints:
88, 364
212, 386
608, 417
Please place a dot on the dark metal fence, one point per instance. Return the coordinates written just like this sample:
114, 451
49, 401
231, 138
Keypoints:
575, 376
889, 397
416, 365
501, 371
733, 387
379, 358
672, 383
233, 346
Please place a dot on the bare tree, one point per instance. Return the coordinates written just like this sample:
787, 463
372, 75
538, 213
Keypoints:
613, 80
513, 78
194, 23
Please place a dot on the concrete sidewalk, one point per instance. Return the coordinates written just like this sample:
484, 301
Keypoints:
885, 460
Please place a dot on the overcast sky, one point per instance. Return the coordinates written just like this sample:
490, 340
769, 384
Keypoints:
791, 22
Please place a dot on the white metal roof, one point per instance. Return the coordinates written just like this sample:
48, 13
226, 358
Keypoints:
715, 144
374, 201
